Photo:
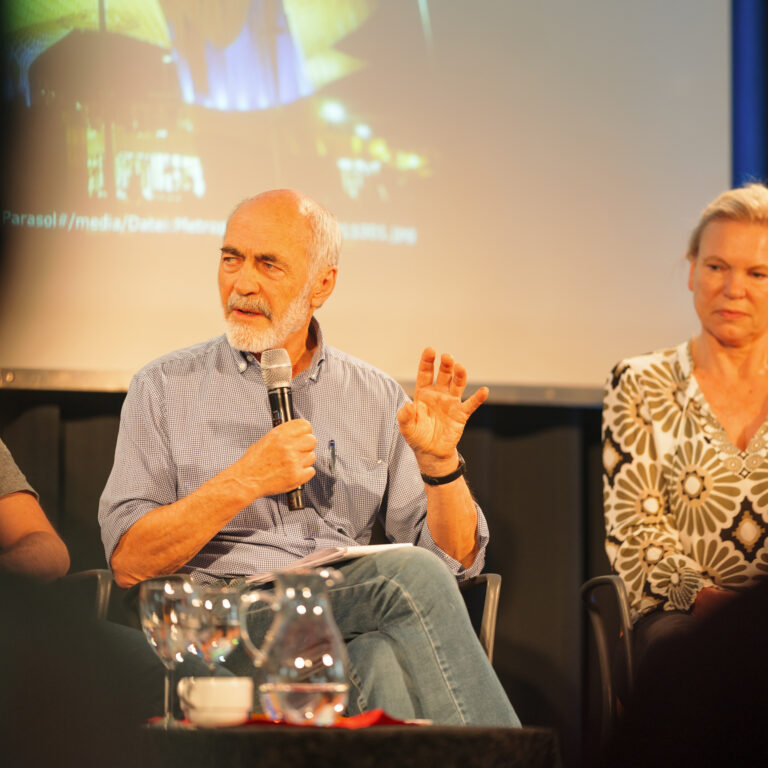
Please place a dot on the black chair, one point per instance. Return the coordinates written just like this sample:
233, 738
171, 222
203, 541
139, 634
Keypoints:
90, 590
607, 604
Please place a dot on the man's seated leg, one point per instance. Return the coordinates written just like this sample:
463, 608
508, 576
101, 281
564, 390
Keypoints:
410, 596
379, 678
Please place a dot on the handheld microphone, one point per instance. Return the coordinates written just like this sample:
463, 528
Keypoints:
277, 370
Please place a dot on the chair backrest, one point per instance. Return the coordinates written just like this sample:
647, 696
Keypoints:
89, 589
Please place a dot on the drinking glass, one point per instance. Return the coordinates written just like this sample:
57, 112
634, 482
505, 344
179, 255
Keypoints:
219, 632
169, 607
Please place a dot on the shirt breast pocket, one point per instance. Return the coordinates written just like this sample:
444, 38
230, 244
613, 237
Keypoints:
350, 490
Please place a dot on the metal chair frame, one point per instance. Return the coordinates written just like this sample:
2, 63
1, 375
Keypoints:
486, 627
605, 640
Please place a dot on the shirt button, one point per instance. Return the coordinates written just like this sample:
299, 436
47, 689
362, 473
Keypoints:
242, 366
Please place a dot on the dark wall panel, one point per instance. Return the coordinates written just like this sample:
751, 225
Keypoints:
88, 453
532, 486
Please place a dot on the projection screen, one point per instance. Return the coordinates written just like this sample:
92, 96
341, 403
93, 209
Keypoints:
515, 180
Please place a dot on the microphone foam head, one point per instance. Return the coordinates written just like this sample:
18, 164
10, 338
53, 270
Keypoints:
276, 368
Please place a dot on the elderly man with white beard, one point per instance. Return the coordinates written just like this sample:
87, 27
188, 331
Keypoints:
200, 476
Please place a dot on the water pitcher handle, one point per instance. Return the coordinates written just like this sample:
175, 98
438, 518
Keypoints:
247, 599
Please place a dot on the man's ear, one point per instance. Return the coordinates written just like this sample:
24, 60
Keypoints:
323, 286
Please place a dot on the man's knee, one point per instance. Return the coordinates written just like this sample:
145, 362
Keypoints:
421, 575
395, 583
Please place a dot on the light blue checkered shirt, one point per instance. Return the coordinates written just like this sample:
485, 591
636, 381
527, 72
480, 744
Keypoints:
193, 412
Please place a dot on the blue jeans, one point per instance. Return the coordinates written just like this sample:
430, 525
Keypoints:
412, 649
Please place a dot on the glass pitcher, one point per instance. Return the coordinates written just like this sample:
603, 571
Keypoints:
303, 661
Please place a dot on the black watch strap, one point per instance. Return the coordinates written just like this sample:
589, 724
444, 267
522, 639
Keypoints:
458, 472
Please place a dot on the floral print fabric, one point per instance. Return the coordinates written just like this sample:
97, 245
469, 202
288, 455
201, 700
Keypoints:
684, 507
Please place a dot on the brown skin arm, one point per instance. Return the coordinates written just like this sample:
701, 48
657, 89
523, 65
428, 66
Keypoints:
28, 543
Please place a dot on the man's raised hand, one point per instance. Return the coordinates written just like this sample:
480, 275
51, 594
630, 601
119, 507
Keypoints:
434, 422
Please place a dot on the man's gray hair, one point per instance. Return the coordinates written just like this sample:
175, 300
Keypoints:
326, 235
748, 204
325, 248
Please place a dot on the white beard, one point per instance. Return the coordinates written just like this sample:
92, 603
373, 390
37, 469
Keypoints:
241, 335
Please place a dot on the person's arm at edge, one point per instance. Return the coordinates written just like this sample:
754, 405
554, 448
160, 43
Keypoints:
29, 545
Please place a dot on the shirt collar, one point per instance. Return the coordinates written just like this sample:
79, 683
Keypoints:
243, 359
318, 358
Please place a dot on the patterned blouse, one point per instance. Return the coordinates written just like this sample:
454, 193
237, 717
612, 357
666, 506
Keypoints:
684, 507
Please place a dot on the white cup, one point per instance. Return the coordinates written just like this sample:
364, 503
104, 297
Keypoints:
212, 701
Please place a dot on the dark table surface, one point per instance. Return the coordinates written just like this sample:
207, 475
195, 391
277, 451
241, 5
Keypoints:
391, 745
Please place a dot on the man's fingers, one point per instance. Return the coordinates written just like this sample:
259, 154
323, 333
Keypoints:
295, 427
445, 371
451, 379
306, 442
426, 372
471, 404
451, 376
294, 435
459, 380
289, 442
309, 473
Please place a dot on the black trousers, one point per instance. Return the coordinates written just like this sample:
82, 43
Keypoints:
701, 694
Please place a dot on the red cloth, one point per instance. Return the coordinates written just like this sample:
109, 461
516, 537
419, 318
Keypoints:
363, 720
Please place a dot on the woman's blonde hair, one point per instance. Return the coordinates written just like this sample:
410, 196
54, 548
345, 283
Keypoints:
748, 203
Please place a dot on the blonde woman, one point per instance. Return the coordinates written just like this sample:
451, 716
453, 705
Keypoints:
685, 436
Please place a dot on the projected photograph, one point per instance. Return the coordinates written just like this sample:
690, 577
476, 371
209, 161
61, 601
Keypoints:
158, 115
